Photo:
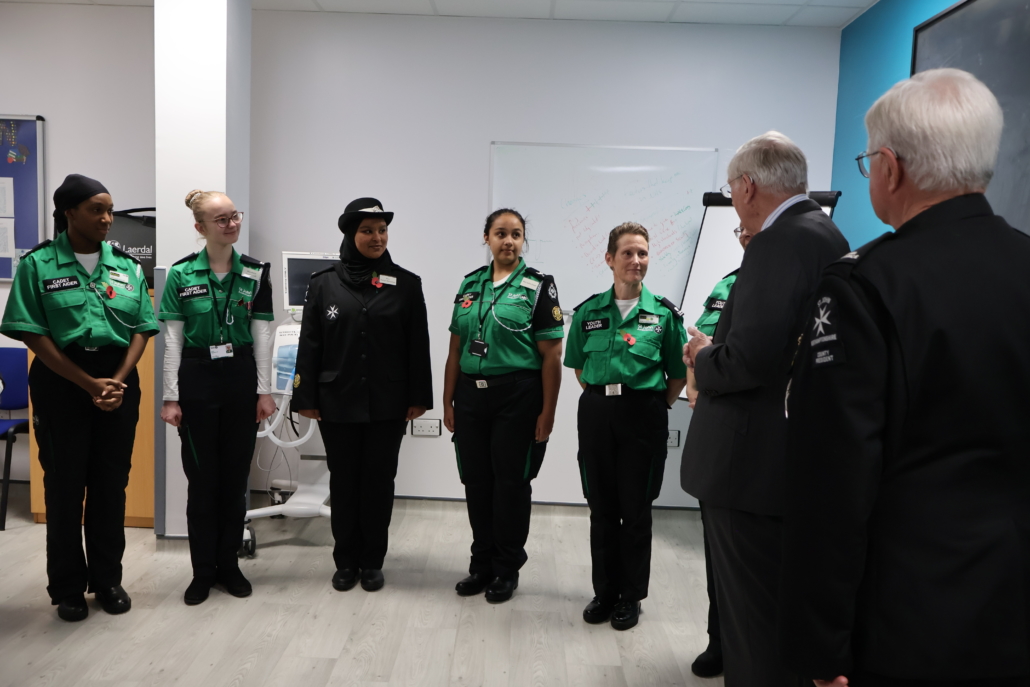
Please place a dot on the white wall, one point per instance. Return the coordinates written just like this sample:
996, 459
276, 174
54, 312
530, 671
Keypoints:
89, 70
404, 109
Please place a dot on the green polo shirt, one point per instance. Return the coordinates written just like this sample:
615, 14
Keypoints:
640, 350
715, 304
525, 311
214, 310
53, 295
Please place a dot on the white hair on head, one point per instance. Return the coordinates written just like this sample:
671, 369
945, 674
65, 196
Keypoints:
773, 161
944, 125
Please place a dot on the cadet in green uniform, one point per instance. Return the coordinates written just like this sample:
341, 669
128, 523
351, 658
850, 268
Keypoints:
218, 308
500, 390
626, 346
82, 307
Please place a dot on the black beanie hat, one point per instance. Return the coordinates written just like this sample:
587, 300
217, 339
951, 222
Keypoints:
75, 189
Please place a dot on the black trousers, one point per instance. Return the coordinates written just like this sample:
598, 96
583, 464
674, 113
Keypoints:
362, 460
498, 456
622, 451
86, 454
218, 399
714, 640
872, 680
746, 556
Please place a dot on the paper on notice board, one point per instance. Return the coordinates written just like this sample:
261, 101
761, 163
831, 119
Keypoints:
6, 197
6, 237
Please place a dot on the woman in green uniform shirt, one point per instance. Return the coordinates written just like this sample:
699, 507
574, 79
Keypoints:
626, 346
500, 390
82, 307
218, 308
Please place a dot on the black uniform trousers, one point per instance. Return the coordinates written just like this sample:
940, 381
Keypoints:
746, 553
622, 451
362, 460
86, 454
714, 639
218, 399
872, 680
498, 456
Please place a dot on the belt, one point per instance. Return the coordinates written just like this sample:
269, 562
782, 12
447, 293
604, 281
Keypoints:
490, 381
110, 349
205, 353
619, 390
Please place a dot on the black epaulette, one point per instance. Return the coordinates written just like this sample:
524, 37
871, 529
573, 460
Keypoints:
323, 271
119, 251
407, 272
186, 259
584, 302
731, 273
36, 247
475, 271
855, 256
536, 273
669, 304
251, 261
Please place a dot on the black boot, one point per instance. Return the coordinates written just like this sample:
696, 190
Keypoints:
473, 584
709, 662
197, 592
114, 600
625, 615
501, 589
235, 583
372, 580
344, 580
73, 608
598, 611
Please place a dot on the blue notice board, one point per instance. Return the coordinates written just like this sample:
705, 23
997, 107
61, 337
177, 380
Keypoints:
22, 192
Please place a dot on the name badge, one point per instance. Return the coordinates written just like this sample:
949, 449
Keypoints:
61, 284
478, 348
388, 280
613, 390
251, 272
529, 283
194, 291
221, 351
118, 276
648, 319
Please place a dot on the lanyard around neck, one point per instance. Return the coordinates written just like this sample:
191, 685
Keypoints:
228, 303
498, 292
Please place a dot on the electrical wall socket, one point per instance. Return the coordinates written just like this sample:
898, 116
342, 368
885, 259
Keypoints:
425, 428
674, 438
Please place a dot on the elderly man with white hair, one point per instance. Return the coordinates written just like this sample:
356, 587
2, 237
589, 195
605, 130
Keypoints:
907, 533
735, 452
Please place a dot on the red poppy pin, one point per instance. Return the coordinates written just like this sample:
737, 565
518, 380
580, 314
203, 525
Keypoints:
110, 291
627, 337
375, 281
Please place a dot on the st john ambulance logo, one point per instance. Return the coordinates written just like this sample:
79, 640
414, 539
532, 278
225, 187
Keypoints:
332, 313
822, 320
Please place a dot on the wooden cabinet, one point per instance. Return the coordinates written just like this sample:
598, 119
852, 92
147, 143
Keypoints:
139, 495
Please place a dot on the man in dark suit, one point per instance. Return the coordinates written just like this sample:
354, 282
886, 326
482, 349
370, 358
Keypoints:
907, 530
734, 455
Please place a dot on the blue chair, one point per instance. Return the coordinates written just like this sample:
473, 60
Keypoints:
14, 369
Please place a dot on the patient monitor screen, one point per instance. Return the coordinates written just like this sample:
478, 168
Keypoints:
297, 271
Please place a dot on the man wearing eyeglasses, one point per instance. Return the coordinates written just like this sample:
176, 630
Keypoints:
907, 531
735, 453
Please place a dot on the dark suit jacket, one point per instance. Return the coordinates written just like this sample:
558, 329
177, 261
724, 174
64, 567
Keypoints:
364, 353
907, 533
736, 444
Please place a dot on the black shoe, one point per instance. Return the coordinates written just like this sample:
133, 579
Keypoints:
625, 615
473, 584
501, 589
598, 611
114, 600
235, 583
345, 579
708, 663
73, 608
372, 580
197, 592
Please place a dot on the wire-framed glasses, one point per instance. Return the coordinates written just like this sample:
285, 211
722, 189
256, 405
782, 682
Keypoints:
223, 222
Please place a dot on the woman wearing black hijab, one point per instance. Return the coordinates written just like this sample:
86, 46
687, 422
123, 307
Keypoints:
363, 371
81, 306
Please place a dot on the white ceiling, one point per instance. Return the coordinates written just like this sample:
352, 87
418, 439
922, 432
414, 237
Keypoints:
827, 13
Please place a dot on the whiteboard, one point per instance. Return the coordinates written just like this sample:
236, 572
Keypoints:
573, 196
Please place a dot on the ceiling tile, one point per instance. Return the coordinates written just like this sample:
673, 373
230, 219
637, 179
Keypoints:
301, 5
824, 16
513, 9
613, 10
733, 13
378, 6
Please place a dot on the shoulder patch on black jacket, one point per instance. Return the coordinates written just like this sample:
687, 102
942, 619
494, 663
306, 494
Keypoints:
855, 256
584, 302
37, 247
536, 273
669, 304
250, 261
186, 259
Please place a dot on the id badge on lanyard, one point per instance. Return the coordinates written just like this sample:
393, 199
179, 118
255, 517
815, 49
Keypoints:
221, 351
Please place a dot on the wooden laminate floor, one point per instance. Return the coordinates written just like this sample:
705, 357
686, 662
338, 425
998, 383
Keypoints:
296, 630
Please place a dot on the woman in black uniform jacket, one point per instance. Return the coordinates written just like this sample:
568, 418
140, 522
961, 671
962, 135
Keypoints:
363, 371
